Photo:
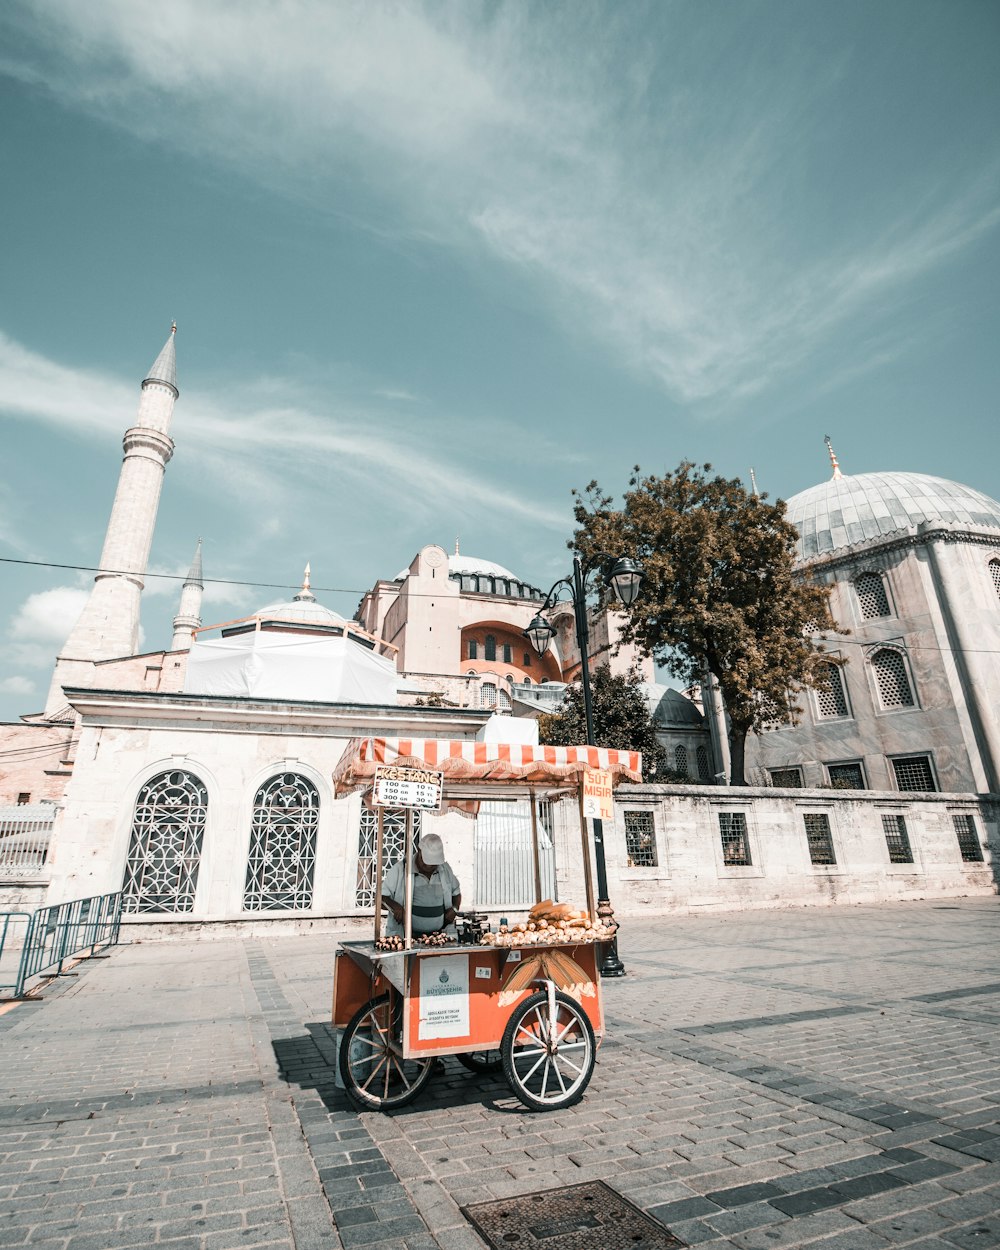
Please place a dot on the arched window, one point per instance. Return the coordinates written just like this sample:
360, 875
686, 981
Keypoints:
164, 854
527, 659
393, 839
508, 654
487, 694
830, 697
872, 599
491, 647
282, 845
891, 678
704, 767
681, 759
503, 700
473, 649
995, 574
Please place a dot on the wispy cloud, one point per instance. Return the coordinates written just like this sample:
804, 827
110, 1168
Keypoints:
653, 222
250, 446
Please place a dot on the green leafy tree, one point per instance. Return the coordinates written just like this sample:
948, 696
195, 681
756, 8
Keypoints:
622, 720
720, 593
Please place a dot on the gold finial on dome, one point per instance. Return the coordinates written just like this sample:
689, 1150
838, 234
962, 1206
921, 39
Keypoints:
833, 458
305, 595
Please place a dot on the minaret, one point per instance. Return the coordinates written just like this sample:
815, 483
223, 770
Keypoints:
188, 617
109, 624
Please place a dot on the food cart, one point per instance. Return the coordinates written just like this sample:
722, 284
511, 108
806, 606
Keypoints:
528, 999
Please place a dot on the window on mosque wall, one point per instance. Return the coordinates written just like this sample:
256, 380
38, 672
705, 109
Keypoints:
847, 775
504, 703
473, 649
969, 846
681, 759
490, 652
526, 661
872, 598
786, 778
508, 654
640, 839
913, 772
704, 764
393, 841
995, 574
487, 694
831, 699
282, 845
891, 678
819, 838
897, 840
164, 854
735, 840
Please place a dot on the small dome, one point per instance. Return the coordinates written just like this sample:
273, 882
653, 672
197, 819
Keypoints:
304, 611
668, 706
850, 510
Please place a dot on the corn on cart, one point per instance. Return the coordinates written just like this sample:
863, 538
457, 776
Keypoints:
527, 999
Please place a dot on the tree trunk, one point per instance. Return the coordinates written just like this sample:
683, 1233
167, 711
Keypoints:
737, 755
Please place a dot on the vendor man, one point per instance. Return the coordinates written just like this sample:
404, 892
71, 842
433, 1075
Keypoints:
437, 896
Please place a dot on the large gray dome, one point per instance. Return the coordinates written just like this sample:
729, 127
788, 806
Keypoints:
850, 510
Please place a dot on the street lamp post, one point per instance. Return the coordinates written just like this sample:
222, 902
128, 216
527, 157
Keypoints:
625, 578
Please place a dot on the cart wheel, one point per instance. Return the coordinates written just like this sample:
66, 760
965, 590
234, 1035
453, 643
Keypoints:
548, 1063
481, 1060
374, 1075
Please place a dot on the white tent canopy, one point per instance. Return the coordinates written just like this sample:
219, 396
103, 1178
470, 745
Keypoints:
262, 664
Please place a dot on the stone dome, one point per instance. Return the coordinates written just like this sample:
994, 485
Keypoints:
851, 510
306, 611
668, 706
470, 566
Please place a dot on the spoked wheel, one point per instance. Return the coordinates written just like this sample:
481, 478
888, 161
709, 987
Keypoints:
548, 1052
481, 1060
375, 1076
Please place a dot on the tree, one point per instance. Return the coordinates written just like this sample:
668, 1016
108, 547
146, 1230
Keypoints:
720, 593
622, 720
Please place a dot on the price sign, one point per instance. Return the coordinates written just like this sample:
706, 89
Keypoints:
407, 787
598, 795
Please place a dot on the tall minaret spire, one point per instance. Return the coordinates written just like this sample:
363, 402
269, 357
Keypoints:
753, 483
188, 617
833, 458
109, 624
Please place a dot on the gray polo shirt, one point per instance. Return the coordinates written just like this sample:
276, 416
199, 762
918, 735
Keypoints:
431, 898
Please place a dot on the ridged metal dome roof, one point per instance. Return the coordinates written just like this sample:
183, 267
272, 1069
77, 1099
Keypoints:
850, 510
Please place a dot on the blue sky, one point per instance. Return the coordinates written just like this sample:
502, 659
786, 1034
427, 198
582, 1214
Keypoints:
435, 265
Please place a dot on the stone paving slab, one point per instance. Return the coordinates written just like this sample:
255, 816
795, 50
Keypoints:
779, 1079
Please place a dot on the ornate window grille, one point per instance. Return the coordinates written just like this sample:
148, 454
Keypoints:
891, 678
735, 842
872, 599
393, 840
897, 840
487, 694
490, 652
640, 839
704, 767
969, 846
786, 778
164, 854
681, 759
995, 574
282, 845
849, 776
830, 697
914, 773
503, 700
819, 838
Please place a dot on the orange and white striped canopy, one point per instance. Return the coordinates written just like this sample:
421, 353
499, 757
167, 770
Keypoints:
479, 761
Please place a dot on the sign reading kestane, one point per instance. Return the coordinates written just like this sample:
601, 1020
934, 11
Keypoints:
407, 787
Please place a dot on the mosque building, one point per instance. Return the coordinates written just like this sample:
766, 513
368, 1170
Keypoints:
197, 779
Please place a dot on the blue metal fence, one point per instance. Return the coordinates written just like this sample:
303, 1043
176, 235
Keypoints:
57, 933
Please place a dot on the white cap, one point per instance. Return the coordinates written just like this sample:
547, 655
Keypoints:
431, 849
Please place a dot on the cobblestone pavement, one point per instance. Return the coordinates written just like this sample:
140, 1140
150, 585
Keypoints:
772, 1079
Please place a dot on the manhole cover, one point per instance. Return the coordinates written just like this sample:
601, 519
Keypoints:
576, 1217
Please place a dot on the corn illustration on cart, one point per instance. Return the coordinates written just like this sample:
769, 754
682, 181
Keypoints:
529, 1001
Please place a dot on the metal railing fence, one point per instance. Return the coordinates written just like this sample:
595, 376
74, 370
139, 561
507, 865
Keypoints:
57, 933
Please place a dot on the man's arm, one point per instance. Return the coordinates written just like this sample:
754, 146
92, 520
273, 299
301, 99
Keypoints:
456, 905
394, 908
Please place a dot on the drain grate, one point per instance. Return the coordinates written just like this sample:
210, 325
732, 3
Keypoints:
576, 1217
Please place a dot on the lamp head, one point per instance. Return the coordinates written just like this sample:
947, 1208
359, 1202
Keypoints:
540, 633
626, 579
